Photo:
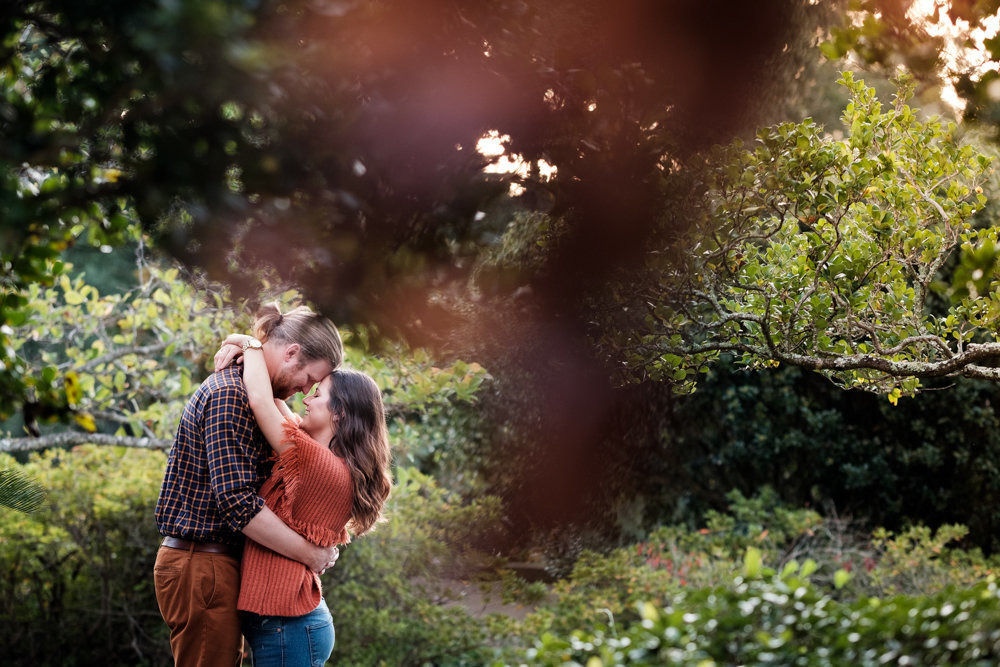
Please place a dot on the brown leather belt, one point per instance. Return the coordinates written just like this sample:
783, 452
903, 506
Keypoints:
204, 547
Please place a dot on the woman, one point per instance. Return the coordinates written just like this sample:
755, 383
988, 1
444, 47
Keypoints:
331, 476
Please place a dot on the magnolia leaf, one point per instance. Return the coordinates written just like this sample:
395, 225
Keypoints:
752, 563
74, 298
648, 611
72, 384
86, 420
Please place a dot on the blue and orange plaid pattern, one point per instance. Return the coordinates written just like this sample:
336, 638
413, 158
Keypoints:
215, 468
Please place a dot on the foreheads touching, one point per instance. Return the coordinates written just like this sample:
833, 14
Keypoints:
302, 347
296, 373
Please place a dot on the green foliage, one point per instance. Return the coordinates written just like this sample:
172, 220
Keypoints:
755, 539
127, 362
79, 83
823, 253
128, 359
669, 561
941, 45
764, 584
919, 559
751, 521
528, 242
430, 405
83, 562
850, 453
787, 620
27, 270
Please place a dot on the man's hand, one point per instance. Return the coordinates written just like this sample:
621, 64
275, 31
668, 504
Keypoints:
270, 531
330, 556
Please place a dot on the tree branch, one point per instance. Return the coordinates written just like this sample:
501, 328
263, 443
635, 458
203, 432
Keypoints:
11, 445
966, 364
141, 351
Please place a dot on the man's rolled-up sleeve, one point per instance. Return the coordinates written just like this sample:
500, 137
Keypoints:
228, 434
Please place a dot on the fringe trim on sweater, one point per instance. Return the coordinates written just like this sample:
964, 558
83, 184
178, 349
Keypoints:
291, 476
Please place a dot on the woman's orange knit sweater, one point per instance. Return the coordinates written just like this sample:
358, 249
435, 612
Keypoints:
310, 488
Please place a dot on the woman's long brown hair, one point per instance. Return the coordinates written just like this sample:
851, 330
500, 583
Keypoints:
362, 440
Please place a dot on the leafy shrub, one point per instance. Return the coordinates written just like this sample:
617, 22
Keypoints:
77, 585
607, 591
670, 560
786, 620
919, 559
815, 444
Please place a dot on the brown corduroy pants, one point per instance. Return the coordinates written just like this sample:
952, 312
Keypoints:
197, 594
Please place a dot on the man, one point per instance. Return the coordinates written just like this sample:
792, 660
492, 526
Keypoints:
209, 499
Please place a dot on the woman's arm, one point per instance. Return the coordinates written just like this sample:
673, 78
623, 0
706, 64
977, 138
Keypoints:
269, 418
286, 412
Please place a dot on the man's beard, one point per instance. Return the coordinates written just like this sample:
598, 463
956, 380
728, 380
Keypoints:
283, 385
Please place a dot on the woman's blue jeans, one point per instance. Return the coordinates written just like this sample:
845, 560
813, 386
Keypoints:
290, 641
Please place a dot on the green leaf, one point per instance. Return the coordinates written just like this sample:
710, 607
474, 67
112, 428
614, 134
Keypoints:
161, 297
752, 563
74, 298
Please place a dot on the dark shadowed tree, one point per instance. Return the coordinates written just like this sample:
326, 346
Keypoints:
335, 141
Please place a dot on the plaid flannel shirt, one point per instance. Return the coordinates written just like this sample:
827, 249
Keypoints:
216, 466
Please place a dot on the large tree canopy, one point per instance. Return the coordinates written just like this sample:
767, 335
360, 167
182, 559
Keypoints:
830, 254
336, 140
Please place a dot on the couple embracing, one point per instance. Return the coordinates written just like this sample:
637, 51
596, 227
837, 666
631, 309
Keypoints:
255, 499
